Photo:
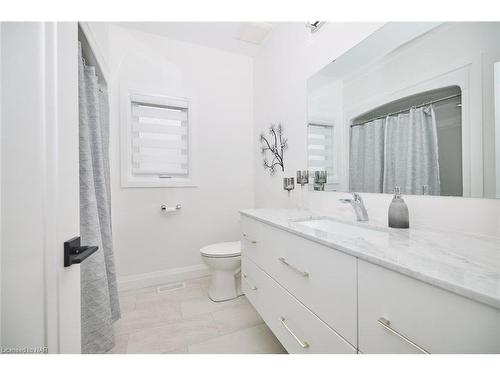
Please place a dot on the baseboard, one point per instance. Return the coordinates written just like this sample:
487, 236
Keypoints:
160, 277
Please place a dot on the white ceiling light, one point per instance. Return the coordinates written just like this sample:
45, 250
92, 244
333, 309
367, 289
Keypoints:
253, 32
314, 26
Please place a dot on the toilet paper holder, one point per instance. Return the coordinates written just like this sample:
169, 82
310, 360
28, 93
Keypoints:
165, 208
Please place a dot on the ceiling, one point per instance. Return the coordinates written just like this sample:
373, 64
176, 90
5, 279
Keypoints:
220, 35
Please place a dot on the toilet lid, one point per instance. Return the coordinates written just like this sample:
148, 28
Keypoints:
222, 250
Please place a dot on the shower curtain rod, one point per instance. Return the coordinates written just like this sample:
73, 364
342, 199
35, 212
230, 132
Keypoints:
407, 109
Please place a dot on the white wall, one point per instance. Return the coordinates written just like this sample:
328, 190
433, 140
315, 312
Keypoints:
219, 85
99, 34
325, 100
289, 57
325, 103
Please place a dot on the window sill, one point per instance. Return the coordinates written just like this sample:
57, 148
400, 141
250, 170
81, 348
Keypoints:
167, 183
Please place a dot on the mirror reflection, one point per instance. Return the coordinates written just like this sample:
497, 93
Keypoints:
412, 106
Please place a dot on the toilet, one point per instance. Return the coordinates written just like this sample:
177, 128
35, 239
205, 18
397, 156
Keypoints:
224, 261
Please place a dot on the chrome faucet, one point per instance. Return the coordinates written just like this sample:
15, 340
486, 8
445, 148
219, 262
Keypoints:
358, 206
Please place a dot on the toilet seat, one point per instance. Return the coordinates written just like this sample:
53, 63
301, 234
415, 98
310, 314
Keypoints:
222, 250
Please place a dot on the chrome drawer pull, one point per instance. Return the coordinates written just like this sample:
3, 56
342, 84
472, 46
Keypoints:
387, 325
252, 287
303, 273
251, 241
303, 344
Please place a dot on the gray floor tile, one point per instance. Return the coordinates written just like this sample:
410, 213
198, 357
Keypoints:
236, 317
254, 340
187, 321
172, 337
202, 305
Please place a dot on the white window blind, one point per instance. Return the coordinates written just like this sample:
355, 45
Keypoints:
159, 139
320, 152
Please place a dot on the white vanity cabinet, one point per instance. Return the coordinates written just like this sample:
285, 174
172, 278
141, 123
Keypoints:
317, 299
304, 291
251, 239
321, 278
398, 314
298, 329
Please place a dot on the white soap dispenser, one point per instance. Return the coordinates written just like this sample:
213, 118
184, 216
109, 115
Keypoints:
398, 211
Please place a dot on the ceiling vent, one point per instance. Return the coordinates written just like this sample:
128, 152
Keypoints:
253, 32
314, 26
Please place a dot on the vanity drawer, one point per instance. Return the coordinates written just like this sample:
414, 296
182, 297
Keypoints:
251, 282
251, 236
322, 278
433, 319
297, 328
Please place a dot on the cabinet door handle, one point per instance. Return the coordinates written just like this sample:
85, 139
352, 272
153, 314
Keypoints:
246, 238
387, 325
303, 344
284, 261
252, 287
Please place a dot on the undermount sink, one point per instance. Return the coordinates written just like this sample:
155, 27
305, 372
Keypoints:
354, 230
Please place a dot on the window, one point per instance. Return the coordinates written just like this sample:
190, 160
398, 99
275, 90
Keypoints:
320, 151
155, 141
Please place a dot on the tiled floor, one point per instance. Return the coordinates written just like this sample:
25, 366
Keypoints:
187, 321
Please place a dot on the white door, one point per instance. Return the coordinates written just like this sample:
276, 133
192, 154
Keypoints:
497, 126
40, 187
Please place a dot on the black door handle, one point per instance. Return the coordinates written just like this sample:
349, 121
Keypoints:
74, 253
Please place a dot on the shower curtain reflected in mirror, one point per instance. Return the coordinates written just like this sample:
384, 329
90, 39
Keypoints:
99, 295
367, 157
400, 150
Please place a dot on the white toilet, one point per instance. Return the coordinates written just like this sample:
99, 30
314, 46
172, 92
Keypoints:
224, 261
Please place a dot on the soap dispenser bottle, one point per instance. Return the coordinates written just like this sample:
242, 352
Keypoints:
398, 211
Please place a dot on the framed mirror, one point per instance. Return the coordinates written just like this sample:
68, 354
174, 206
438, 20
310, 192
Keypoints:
415, 105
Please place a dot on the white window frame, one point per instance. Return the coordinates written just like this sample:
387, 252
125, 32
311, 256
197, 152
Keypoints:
127, 178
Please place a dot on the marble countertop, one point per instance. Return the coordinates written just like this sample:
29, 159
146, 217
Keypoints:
466, 264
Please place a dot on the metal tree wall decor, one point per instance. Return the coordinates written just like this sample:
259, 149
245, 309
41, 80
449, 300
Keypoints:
276, 144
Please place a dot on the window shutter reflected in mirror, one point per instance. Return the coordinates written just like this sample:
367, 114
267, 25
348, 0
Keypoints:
320, 150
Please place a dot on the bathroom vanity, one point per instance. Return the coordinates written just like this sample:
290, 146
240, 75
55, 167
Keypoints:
326, 285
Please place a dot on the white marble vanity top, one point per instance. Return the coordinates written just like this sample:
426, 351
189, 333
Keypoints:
465, 264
